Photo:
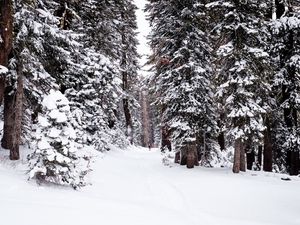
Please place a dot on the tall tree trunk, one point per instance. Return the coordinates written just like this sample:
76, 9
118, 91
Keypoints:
6, 37
125, 81
146, 142
237, 156
14, 150
290, 117
268, 151
9, 115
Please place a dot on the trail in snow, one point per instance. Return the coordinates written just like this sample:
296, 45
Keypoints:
133, 187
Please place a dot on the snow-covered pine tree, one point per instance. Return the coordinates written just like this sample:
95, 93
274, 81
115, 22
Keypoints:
46, 54
286, 53
55, 158
243, 72
126, 28
99, 80
183, 78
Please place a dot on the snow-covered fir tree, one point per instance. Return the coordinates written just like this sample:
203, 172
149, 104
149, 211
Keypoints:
55, 158
183, 78
243, 70
58, 53
285, 29
128, 64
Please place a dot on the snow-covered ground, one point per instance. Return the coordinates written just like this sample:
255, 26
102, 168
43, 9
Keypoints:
133, 187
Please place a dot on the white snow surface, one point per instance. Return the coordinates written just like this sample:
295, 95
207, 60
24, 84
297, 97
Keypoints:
133, 187
3, 69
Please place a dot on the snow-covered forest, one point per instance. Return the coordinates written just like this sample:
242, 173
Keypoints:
184, 109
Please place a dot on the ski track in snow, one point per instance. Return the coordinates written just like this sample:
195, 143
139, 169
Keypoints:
133, 187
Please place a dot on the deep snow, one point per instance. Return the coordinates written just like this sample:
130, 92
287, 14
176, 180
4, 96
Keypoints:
133, 187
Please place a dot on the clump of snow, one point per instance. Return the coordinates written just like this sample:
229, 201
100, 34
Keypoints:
3, 70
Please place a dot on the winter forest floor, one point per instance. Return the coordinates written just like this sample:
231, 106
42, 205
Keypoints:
133, 187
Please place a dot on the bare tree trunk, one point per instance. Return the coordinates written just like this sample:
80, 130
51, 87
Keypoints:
14, 150
165, 139
242, 158
6, 37
250, 159
259, 157
237, 156
9, 115
145, 120
191, 156
268, 151
294, 163
221, 136
125, 84
221, 141
128, 120
295, 160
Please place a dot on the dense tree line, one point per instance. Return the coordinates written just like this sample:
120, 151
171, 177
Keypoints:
226, 75
227, 72
68, 76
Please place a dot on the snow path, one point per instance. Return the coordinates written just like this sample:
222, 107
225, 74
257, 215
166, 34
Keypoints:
133, 187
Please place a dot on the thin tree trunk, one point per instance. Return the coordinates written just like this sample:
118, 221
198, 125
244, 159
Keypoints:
268, 151
6, 37
221, 136
146, 142
259, 157
294, 166
237, 156
127, 113
14, 151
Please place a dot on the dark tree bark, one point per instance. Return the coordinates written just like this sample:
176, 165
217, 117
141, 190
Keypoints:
259, 156
18, 107
237, 156
242, 158
290, 118
177, 157
250, 159
165, 139
221, 141
6, 32
191, 156
221, 136
9, 115
125, 85
146, 140
268, 151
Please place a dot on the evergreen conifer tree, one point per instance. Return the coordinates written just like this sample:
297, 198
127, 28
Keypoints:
183, 75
